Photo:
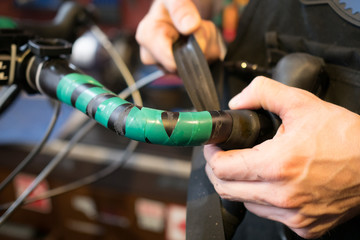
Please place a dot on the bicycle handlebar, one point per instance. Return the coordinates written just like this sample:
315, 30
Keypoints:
54, 76
57, 78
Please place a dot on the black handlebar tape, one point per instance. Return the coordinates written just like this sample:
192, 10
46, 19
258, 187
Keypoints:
250, 128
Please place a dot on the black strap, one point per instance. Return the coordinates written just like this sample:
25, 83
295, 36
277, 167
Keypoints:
203, 219
208, 216
195, 73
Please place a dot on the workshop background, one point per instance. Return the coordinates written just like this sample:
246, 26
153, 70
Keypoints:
146, 197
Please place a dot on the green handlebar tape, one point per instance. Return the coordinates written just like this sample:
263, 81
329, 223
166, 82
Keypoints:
229, 129
138, 123
70, 82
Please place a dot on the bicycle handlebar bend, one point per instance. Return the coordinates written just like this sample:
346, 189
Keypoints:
57, 78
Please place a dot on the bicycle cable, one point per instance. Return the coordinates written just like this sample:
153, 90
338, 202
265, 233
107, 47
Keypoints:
7, 94
115, 56
37, 149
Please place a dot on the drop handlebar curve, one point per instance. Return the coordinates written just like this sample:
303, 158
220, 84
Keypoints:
57, 78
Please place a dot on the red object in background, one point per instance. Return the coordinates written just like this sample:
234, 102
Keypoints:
176, 222
230, 22
22, 181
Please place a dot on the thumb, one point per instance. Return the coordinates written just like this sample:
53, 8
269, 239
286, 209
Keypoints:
268, 94
184, 15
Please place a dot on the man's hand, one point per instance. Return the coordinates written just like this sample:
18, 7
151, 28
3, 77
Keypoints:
161, 27
308, 175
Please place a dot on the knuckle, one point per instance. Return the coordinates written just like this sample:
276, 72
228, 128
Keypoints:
306, 99
299, 222
280, 172
288, 169
283, 202
286, 200
259, 82
177, 11
291, 164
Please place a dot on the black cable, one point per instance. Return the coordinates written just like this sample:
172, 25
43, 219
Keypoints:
36, 150
7, 96
91, 178
46, 171
86, 180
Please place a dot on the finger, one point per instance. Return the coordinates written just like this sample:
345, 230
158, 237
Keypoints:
184, 15
230, 165
151, 36
271, 212
260, 163
208, 40
304, 226
243, 191
146, 57
268, 94
256, 192
291, 217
